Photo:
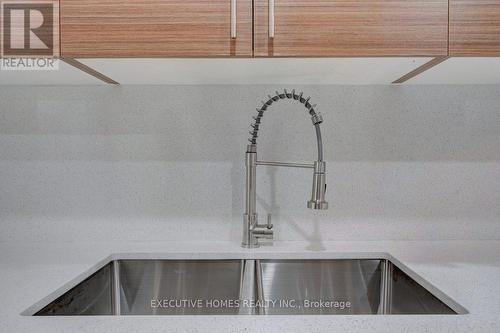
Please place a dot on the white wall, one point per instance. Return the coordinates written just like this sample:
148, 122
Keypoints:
166, 162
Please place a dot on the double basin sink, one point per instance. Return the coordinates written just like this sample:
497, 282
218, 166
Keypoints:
249, 287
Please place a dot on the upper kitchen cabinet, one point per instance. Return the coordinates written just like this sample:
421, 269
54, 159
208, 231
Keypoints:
303, 28
475, 27
156, 28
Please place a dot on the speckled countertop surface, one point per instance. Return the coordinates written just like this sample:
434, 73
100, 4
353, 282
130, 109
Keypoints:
467, 271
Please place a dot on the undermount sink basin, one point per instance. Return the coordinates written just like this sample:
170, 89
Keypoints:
248, 286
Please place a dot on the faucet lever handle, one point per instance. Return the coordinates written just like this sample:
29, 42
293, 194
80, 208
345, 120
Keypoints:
269, 223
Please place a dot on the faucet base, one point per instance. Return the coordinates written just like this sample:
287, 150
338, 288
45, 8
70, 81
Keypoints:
250, 246
318, 205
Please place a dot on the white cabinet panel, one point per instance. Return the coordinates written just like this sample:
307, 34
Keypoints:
256, 71
66, 74
476, 70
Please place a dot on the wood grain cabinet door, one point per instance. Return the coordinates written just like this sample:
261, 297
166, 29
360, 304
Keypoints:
155, 28
351, 27
475, 27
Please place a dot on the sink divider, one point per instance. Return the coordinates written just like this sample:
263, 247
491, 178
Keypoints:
116, 288
260, 290
385, 287
251, 287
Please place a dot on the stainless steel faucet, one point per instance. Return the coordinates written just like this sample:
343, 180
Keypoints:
252, 230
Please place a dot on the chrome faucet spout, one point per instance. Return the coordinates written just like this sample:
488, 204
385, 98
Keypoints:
316, 117
252, 230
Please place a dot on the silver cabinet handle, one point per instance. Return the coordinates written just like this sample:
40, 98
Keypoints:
271, 18
233, 18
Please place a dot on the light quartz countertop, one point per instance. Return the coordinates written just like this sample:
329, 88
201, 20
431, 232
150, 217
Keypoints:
466, 271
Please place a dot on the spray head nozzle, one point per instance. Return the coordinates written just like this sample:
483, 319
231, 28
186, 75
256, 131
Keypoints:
318, 187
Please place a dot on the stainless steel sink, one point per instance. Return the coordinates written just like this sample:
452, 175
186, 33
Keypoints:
250, 286
345, 287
